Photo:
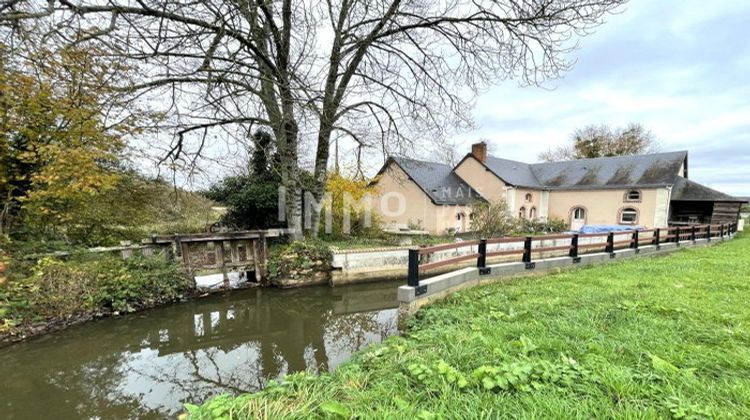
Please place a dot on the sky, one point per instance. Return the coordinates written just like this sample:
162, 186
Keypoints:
681, 68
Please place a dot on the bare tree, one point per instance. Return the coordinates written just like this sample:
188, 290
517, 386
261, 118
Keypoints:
595, 141
388, 74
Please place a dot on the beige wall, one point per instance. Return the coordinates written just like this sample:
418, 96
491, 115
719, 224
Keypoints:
395, 187
520, 201
490, 187
603, 206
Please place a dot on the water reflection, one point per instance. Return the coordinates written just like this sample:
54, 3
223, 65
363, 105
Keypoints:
145, 365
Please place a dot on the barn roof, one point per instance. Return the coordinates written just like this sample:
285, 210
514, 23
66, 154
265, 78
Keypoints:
512, 172
652, 170
687, 190
437, 180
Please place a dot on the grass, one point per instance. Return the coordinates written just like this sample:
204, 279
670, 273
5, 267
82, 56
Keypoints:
645, 338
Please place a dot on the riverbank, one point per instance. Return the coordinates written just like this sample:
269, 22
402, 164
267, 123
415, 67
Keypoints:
653, 337
54, 294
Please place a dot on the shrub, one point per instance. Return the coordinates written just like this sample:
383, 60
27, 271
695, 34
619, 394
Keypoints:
542, 226
492, 219
59, 289
299, 256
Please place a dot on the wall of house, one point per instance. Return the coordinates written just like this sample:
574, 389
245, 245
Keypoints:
521, 201
604, 206
490, 187
395, 189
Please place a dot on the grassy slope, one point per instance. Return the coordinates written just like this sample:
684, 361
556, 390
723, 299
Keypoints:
652, 337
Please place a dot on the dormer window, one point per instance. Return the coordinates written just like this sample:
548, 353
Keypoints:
633, 196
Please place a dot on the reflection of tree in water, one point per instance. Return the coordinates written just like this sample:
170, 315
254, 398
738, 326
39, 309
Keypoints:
349, 333
197, 375
95, 387
145, 366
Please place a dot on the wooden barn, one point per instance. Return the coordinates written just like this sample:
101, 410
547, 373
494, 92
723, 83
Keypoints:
692, 202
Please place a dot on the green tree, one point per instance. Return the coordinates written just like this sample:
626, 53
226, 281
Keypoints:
56, 147
252, 198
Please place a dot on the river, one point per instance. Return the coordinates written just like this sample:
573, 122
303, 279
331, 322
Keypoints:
145, 365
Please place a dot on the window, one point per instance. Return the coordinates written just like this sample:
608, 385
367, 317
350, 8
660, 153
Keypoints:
579, 214
471, 216
529, 198
532, 213
522, 213
628, 216
459, 216
633, 195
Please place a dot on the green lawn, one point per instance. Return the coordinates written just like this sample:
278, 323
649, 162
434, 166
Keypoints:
645, 338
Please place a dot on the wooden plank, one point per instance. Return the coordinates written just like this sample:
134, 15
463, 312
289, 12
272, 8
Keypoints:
456, 245
210, 236
436, 264
551, 237
220, 262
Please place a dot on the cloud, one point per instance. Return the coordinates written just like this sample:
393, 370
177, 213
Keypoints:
678, 67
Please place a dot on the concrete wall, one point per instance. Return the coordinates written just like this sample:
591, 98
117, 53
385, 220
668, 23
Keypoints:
603, 206
438, 287
396, 192
388, 263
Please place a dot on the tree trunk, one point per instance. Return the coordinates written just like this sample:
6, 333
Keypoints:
289, 166
321, 170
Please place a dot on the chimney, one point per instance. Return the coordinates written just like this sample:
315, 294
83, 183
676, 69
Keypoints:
479, 151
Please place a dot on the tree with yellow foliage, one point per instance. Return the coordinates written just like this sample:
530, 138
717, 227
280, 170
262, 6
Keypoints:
349, 206
59, 146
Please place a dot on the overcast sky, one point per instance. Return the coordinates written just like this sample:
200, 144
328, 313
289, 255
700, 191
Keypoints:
679, 67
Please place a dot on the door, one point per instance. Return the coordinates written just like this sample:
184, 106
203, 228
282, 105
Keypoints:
577, 218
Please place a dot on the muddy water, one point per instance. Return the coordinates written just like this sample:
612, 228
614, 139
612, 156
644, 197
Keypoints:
146, 365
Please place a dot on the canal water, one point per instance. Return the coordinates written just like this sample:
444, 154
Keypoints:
145, 365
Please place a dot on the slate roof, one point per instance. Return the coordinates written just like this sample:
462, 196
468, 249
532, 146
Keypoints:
687, 190
653, 170
437, 180
443, 186
512, 172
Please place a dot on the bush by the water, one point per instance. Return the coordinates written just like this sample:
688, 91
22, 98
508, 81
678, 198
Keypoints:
58, 289
299, 258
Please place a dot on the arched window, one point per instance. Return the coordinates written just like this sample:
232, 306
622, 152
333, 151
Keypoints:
579, 213
628, 216
529, 198
522, 213
459, 216
532, 213
633, 195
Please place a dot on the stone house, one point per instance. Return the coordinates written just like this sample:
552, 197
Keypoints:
651, 190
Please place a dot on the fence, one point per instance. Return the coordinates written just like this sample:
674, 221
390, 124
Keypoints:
574, 245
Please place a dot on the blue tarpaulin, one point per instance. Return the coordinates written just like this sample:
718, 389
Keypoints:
607, 228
